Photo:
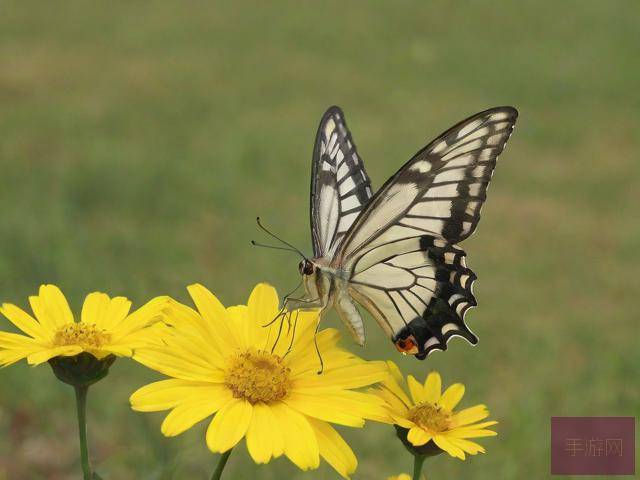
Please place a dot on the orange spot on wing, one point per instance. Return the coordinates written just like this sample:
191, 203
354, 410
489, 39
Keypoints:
407, 346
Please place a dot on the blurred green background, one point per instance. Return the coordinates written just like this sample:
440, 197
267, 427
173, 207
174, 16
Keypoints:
139, 141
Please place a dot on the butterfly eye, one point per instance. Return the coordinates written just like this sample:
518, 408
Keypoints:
305, 267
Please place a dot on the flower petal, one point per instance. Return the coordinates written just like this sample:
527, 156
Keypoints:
193, 328
452, 396
334, 449
394, 404
433, 387
300, 443
416, 389
402, 421
356, 375
103, 311
202, 403
264, 436
178, 363
262, 305
9, 357
471, 433
151, 336
396, 389
417, 436
15, 341
147, 314
475, 426
24, 322
302, 358
471, 448
44, 355
94, 306
470, 415
246, 332
395, 372
15, 347
117, 350
55, 303
444, 444
214, 314
229, 425
163, 395
345, 408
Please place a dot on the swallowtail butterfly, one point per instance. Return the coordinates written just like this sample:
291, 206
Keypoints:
396, 253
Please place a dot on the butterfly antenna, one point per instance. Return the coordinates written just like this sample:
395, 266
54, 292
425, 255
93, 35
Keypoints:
273, 247
266, 230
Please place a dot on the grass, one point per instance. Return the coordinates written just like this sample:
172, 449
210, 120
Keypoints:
140, 141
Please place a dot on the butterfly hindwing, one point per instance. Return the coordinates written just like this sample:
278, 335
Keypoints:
404, 265
420, 289
340, 186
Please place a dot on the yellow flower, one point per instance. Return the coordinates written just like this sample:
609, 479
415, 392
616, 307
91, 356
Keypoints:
261, 385
105, 327
427, 423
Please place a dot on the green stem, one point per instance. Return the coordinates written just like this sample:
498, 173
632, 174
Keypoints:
221, 464
418, 460
81, 405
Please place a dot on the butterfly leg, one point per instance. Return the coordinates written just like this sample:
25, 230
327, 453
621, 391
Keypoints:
301, 304
315, 340
304, 304
293, 334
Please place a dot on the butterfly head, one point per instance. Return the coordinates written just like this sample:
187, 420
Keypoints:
306, 267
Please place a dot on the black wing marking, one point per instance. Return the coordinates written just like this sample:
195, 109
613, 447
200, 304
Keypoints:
429, 205
340, 186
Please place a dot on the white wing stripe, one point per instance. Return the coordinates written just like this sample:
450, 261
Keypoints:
346, 221
434, 208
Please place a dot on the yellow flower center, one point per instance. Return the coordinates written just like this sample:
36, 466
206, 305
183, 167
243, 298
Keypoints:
430, 417
85, 335
258, 376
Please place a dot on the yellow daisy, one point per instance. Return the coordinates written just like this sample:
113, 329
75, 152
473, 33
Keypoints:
105, 327
261, 385
426, 421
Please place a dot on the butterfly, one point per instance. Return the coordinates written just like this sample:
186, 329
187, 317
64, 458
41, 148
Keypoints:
395, 253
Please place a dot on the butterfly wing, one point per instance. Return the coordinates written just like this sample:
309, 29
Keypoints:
403, 264
340, 186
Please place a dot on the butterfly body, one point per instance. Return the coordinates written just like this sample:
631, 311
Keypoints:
395, 253
327, 287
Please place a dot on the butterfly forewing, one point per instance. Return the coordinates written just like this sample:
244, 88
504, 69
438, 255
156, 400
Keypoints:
400, 253
340, 186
